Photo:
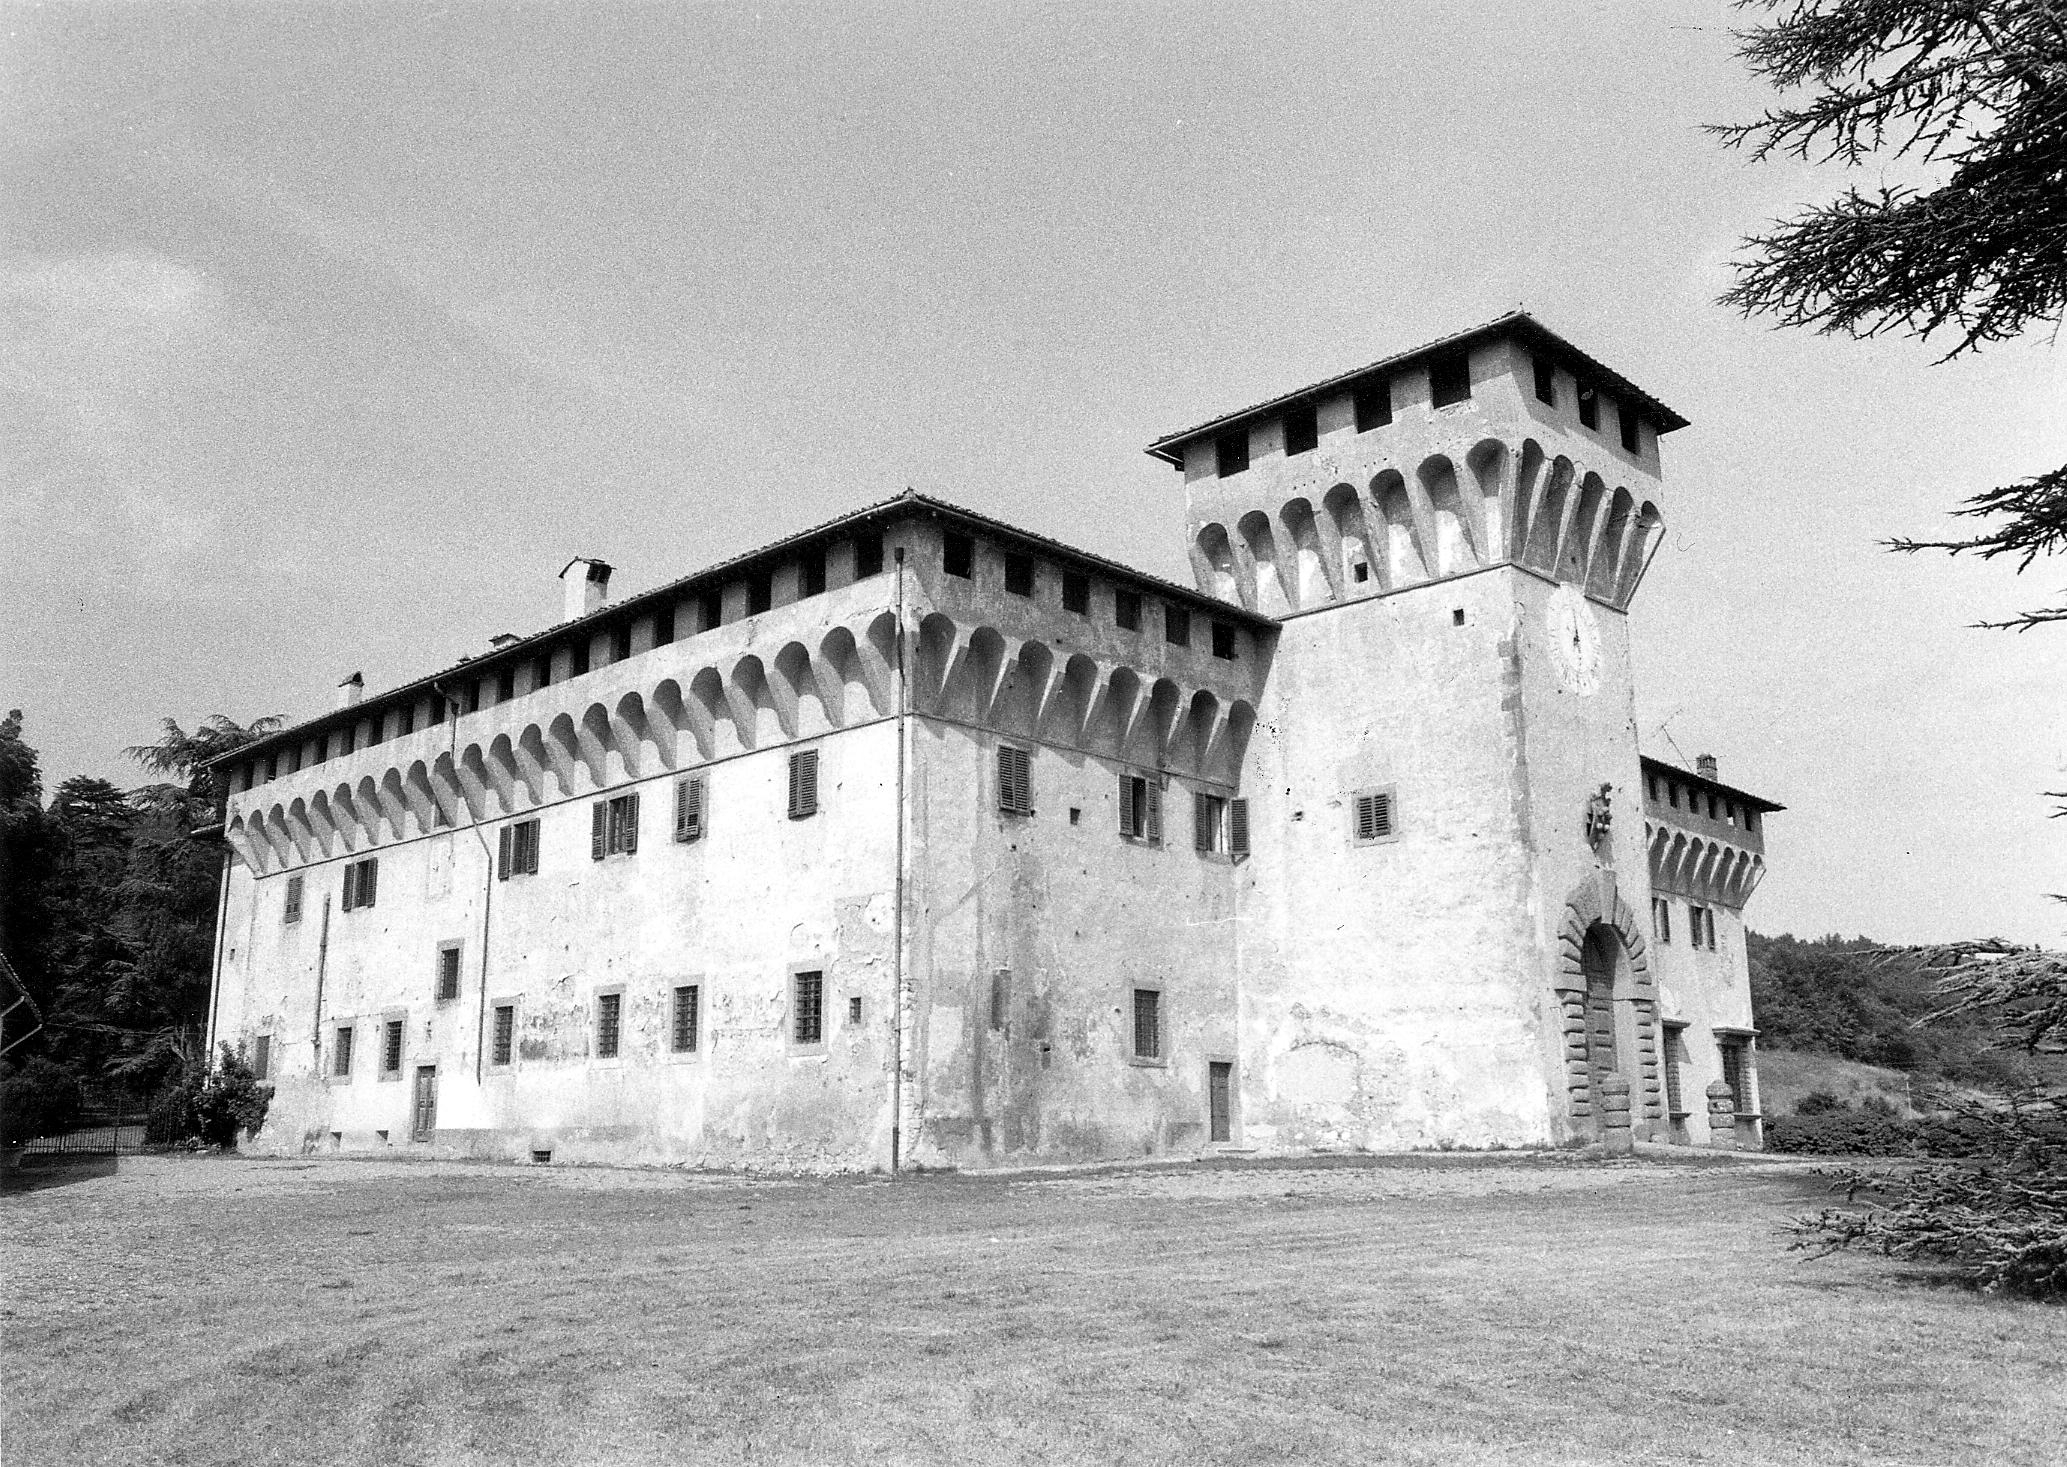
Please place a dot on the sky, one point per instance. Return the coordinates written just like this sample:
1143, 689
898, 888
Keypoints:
331, 333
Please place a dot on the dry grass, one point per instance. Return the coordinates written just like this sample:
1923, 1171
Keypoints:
1446, 1310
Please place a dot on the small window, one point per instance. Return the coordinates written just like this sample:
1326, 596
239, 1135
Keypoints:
470, 702
1675, 1062
609, 1024
1714, 808
868, 555
407, 720
1076, 592
506, 685
1126, 610
578, 660
803, 784
1176, 626
1661, 920
516, 850
1360, 571
438, 709
760, 593
1546, 382
505, 1036
1015, 780
292, 911
689, 809
341, 1052
807, 1008
1456, 616
614, 827
1231, 453
1672, 793
1148, 1024
621, 644
1373, 404
1651, 787
1302, 431
1223, 641
854, 1010
1449, 378
663, 626
811, 574
1208, 823
1000, 997
1375, 817
684, 1018
542, 673
1736, 1073
1019, 574
1589, 406
1141, 808
710, 611
361, 883
1630, 423
958, 554
262, 1057
391, 1050
448, 971
1238, 828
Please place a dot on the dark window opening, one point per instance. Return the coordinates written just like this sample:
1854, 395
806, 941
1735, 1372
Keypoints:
1223, 641
1449, 378
1019, 574
448, 973
710, 611
760, 593
621, 644
1373, 404
506, 685
472, 695
854, 1009
1231, 452
958, 554
1457, 616
1675, 1059
663, 627
361, 883
1141, 808
803, 784
1176, 626
1126, 610
1360, 572
578, 663
1076, 592
1208, 823
391, 1048
868, 555
1735, 1075
1546, 382
1148, 1024
609, 1024
808, 1009
542, 673
437, 708
1302, 430
1661, 920
292, 913
687, 1002
505, 1034
341, 1053
408, 721
614, 827
811, 574
1589, 406
1632, 436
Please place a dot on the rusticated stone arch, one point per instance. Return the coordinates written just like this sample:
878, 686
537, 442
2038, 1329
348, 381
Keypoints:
1595, 909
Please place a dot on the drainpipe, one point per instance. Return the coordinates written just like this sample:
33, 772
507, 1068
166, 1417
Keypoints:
322, 970
487, 878
897, 913
222, 917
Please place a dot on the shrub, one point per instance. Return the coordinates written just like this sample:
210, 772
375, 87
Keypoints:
1816, 1103
209, 1107
171, 1117
1841, 1132
41, 1098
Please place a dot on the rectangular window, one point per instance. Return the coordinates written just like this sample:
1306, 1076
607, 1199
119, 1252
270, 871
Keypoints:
663, 626
516, 850
1208, 823
1632, 434
542, 673
1373, 404
710, 611
803, 784
1148, 1024
505, 1041
609, 1024
578, 659
341, 1052
391, 1050
1589, 406
1019, 574
448, 971
811, 574
1302, 430
1223, 641
292, 911
1546, 382
621, 644
1176, 626
470, 703
958, 554
807, 1008
614, 827
506, 685
684, 1018
1076, 592
361, 883
1661, 920
689, 809
1015, 780
868, 555
760, 593
1736, 1074
1238, 828
1126, 610
1141, 808
262, 1057
438, 708
1374, 816
1449, 378
1000, 996
854, 1010
1231, 452
1675, 1058
1672, 794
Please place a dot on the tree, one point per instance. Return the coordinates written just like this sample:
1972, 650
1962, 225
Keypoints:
24, 861
1973, 95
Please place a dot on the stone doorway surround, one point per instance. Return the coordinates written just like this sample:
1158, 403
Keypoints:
1597, 901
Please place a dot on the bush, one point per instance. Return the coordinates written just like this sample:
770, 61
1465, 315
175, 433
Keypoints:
41, 1098
209, 1107
1841, 1132
1816, 1103
171, 1117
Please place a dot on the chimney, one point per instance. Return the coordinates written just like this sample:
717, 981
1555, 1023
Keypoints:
585, 592
1704, 765
351, 690
504, 639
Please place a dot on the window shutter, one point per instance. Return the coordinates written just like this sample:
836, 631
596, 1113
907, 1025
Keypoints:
293, 913
803, 783
1238, 827
351, 886
599, 830
1155, 809
1127, 784
631, 823
369, 880
1201, 822
1015, 781
689, 810
530, 844
502, 853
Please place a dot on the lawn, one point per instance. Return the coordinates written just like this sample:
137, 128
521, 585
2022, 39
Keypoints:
1481, 1310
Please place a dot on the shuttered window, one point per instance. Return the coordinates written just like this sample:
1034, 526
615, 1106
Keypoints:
391, 1049
1675, 1056
361, 883
1661, 920
686, 1016
1238, 827
803, 784
292, 913
1148, 1024
448, 972
1015, 781
689, 809
505, 1034
262, 1058
1208, 817
1733, 1068
1374, 816
341, 1052
807, 1008
516, 850
1141, 808
609, 1024
614, 827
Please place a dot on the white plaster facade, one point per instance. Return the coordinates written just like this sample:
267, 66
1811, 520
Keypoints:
1428, 611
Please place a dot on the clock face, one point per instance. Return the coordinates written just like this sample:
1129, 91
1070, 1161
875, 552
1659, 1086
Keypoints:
1574, 633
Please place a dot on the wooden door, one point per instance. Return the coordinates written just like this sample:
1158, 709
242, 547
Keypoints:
424, 1120
1220, 1099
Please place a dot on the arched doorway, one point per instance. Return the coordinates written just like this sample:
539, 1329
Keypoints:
1598, 961
1609, 1003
